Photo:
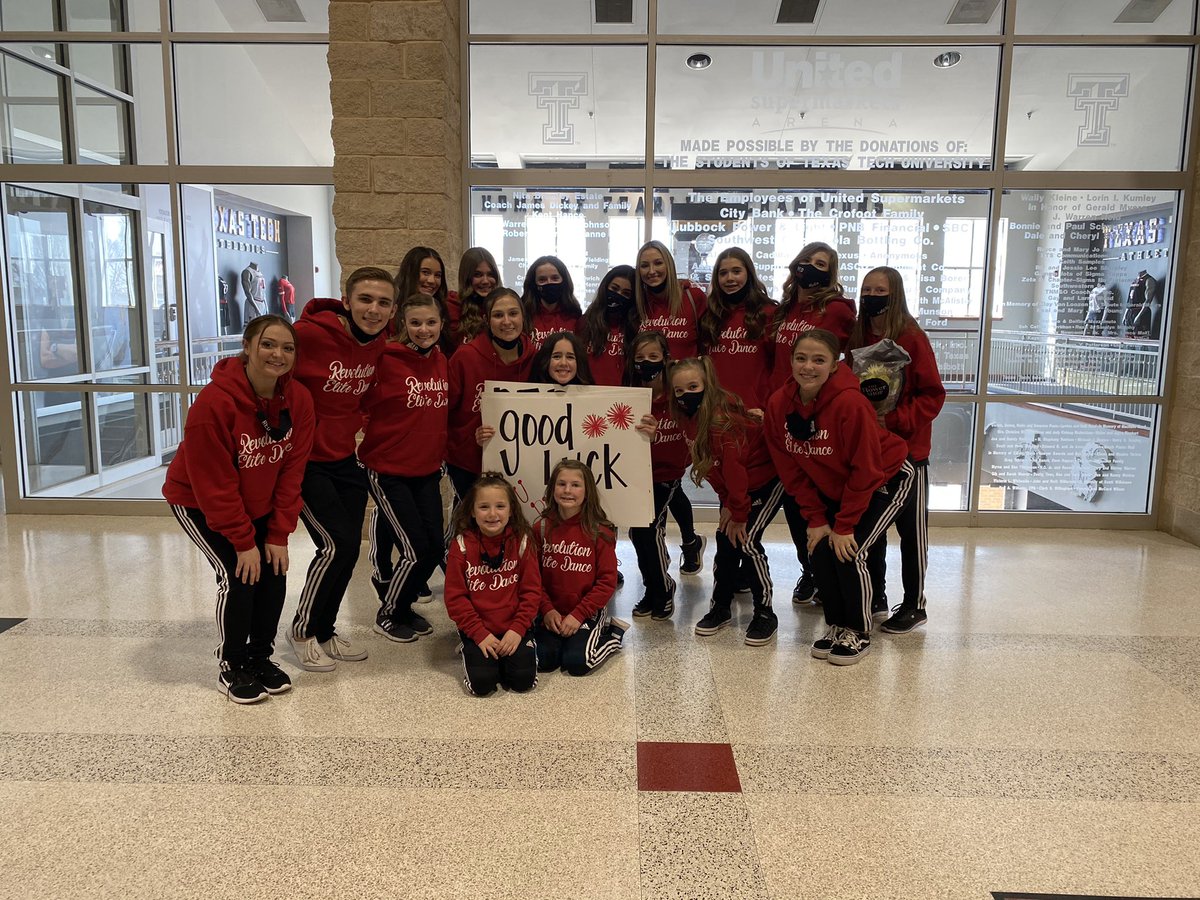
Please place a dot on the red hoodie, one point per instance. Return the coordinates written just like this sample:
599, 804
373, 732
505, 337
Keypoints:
547, 322
579, 572
741, 363
608, 367
838, 317
741, 464
230, 469
482, 600
337, 370
470, 367
670, 451
922, 394
682, 330
407, 412
847, 460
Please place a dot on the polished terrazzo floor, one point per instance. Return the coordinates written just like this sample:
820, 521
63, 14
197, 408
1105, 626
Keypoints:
1040, 735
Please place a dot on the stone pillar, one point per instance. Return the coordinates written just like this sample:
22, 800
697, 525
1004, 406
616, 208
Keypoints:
398, 164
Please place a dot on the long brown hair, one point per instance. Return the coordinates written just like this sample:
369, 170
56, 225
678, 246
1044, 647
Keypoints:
674, 290
408, 277
890, 323
791, 288
539, 370
464, 515
471, 319
721, 412
592, 517
756, 304
529, 295
594, 326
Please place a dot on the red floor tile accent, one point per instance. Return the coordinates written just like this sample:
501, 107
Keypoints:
686, 767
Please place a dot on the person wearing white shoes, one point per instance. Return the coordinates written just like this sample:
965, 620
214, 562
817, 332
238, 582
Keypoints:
234, 486
849, 476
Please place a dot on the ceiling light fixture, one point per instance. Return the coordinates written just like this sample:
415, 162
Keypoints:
947, 60
699, 61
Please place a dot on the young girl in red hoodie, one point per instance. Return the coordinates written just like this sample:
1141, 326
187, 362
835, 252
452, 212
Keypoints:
577, 544
340, 345
403, 449
734, 328
478, 276
812, 298
234, 486
883, 313
669, 458
850, 478
728, 450
502, 352
608, 324
493, 588
549, 299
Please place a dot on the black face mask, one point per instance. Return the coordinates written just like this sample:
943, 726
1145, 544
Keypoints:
690, 402
874, 306
615, 304
648, 369
657, 289
492, 562
551, 293
800, 428
506, 345
809, 276
276, 432
358, 334
739, 295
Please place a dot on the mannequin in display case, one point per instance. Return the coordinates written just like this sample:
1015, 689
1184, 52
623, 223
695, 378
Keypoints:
255, 287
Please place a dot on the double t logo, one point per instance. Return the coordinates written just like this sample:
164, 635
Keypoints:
558, 92
1096, 96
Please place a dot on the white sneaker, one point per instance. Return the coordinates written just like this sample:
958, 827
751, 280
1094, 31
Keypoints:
309, 654
340, 648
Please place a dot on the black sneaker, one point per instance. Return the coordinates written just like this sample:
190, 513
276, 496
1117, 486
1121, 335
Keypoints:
620, 578
418, 623
644, 607
269, 675
240, 686
822, 645
714, 620
618, 627
664, 612
394, 631
879, 610
693, 556
805, 590
424, 594
849, 648
904, 619
762, 628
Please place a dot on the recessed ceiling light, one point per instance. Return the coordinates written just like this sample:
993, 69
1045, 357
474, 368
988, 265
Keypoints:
947, 60
699, 61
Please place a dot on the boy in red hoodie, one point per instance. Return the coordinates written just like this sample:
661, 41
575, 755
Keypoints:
340, 345
493, 588
234, 486
577, 544
849, 477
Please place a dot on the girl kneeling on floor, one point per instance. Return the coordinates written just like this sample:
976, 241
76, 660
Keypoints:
850, 478
493, 588
577, 543
728, 450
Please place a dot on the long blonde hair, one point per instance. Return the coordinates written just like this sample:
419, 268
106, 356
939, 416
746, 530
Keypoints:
674, 291
721, 412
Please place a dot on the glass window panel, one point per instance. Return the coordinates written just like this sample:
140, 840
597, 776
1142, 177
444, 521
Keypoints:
102, 123
1105, 17
554, 106
950, 457
124, 420
42, 284
902, 229
1085, 292
829, 17
825, 107
28, 15
56, 439
1067, 457
32, 101
149, 104
1098, 108
282, 113
558, 16
112, 288
105, 64
42, 53
112, 15
286, 16
591, 230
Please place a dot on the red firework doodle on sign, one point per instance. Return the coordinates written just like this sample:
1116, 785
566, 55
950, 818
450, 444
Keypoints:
594, 426
620, 415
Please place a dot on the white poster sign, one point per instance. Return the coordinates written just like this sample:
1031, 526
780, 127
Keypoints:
537, 428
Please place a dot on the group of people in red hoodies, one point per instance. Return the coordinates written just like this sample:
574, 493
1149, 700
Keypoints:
759, 398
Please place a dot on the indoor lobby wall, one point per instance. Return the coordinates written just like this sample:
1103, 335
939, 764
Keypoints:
395, 86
